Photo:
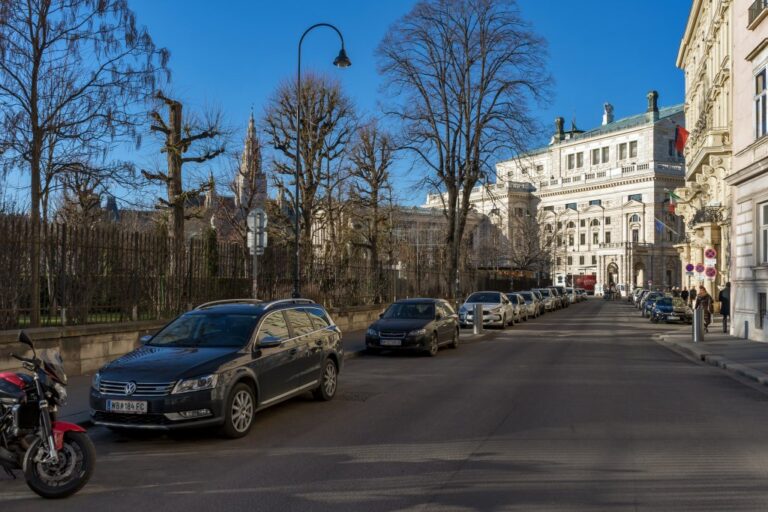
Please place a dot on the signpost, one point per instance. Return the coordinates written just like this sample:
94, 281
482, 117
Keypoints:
257, 240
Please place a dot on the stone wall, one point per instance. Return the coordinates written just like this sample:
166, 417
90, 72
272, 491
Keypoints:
85, 349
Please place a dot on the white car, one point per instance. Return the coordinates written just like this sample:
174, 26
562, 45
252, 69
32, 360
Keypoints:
497, 309
525, 308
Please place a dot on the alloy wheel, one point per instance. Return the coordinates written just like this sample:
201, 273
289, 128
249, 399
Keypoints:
242, 411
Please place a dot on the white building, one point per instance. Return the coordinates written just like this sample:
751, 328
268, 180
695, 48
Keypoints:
599, 195
749, 176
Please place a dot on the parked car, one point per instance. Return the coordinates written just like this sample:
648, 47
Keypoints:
551, 302
414, 324
497, 310
219, 364
534, 303
671, 309
561, 295
649, 302
640, 297
633, 294
581, 294
520, 307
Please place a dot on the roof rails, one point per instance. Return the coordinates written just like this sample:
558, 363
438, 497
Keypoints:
229, 301
288, 301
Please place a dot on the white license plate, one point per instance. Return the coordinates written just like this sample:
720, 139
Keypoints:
391, 343
127, 406
673, 317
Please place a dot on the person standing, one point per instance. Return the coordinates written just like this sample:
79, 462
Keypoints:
704, 301
725, 304
684, 295
692, 295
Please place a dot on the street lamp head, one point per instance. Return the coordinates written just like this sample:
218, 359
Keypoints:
341, 60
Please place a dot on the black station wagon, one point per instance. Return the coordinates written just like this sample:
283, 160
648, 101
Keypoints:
220, 363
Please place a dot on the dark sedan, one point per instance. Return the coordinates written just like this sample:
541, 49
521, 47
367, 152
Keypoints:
219, 364
414, 324
671, 309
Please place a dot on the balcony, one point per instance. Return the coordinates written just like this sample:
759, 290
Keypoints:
625, 170
757, 11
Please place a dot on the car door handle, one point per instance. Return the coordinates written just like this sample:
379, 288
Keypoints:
293, 351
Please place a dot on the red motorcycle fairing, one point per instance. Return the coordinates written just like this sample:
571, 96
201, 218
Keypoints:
62, 427
12, 378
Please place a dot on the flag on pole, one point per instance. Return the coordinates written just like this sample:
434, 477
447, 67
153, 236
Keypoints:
673, 199
681, 137
659, 226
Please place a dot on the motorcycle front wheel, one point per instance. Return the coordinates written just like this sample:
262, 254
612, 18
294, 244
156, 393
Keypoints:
74, 468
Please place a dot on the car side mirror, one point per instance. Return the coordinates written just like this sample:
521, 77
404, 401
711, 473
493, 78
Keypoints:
269, 341
145, 339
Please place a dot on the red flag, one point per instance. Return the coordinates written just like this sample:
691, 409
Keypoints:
681, 137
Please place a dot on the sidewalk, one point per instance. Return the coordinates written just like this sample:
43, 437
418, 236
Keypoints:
743, 357
77, 409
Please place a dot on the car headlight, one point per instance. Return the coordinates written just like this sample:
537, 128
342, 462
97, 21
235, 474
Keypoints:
497, 309
196, 384
372, 332
418, 332
96, 381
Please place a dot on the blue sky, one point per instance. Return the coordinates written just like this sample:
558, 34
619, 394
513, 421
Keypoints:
233, 53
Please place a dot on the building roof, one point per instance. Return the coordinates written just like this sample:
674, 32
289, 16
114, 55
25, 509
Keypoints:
614, 126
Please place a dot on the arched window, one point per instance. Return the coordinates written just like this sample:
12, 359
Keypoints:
634, 218
548, 228
595, 222
571, 225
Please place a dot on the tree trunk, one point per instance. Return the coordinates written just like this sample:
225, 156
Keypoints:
34, 261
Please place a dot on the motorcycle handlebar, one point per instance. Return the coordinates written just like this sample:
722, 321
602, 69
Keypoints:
23, 359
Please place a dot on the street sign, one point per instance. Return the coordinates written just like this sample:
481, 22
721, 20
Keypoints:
257, 231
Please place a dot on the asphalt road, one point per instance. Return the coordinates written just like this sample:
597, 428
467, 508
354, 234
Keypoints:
577, 410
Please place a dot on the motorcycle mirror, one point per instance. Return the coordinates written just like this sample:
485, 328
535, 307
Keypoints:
25, 339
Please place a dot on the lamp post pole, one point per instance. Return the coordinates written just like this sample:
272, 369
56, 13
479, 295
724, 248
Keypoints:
341, 61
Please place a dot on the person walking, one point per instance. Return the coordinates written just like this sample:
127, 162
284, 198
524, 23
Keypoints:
725, 304
684, 295
704, 301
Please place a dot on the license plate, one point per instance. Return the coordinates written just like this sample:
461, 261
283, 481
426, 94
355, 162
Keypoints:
127, 406
673, 317
391, 343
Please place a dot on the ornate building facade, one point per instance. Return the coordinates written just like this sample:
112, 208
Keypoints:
749, 177
706, 58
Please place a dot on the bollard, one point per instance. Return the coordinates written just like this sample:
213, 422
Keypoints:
477, 319
698, 325
746, 329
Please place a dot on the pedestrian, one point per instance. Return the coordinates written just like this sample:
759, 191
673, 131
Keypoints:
692, 295
675, 291
684, 295
705, 303
725, 304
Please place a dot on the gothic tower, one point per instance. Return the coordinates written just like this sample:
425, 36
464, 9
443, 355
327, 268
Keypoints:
251, 181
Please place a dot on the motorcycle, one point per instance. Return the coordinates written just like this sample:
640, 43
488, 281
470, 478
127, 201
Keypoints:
57, 458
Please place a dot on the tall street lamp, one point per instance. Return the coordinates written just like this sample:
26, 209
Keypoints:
341, 61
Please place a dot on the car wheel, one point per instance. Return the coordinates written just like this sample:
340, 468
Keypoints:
329, 382
239, 412
433, 346
455, 342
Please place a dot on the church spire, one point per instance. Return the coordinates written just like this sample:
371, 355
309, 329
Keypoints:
251, 181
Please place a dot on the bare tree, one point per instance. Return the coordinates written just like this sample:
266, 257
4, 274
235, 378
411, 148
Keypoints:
463, 73
72, 74
372, 156
178, 138
327, 125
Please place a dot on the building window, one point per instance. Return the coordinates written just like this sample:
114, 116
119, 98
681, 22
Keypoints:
579, 160
570, 240
635, 235
634, 218
518, 212
605, 152
607, 221
571, 225
570, 260
582, 223
633, 149
595, 237
559, 261
549, 208
635, 197
761, 97
539, 169
608, 237
594, 260
595, 222
763, 234
762, 306
595, 156
570, 206
623, 151
581, 260
571, 159
595, 202
559, 240
524, 170
559, 225
583, 238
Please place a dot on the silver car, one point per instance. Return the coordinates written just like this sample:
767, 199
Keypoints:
551, 302
526, 309
497, 309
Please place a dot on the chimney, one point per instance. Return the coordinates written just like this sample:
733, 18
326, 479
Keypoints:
607, 113
652, 114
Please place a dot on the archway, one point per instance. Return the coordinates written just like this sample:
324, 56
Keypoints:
639, 274
612, 273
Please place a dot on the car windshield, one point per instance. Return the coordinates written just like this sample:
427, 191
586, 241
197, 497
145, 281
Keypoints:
528, 296
678, 302
545, 293
664, 302
207, 330
485, 297
418, 311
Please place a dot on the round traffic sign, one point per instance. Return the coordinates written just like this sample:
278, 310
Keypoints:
689, 267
